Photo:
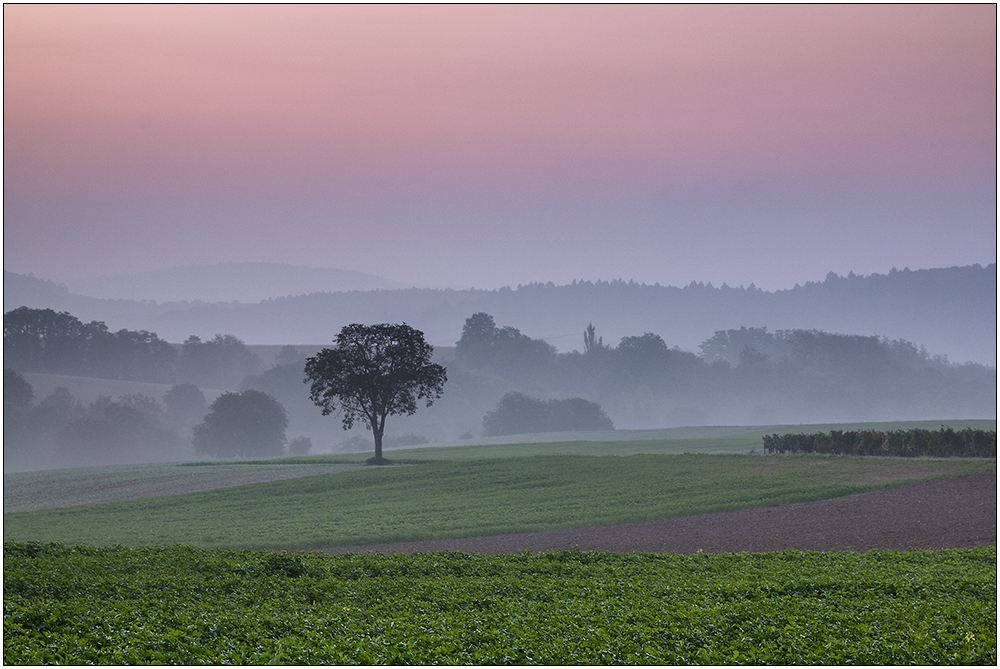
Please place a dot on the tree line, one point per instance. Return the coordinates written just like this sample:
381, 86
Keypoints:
943, 443
745, 375
50, 342
60, 430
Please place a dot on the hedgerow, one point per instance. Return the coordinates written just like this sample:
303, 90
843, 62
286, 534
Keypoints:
943, 443
181, 605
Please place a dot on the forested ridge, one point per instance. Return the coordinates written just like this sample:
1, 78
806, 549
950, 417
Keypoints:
950, 311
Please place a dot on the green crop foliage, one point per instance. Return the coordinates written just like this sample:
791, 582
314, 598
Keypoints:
463, 498
181, 605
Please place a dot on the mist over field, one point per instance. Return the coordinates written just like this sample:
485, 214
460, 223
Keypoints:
642, 357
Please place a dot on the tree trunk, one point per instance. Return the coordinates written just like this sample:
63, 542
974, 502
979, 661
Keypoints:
377, 431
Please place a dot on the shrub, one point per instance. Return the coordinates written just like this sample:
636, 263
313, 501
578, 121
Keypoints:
517, 413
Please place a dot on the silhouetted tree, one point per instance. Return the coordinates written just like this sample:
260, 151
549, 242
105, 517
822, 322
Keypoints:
300, 446
505, 350
590, 343
478, 342
373, 372
577, 414
516, 413
250, 423
643, 359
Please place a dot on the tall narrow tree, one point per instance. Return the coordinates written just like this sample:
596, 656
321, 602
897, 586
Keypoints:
373, 372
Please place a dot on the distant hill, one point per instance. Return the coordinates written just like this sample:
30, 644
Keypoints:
25, 289
228, 282
951, 311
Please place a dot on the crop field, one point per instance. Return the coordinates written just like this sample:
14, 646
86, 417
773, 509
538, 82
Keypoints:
439, 499
181, 605
46, 489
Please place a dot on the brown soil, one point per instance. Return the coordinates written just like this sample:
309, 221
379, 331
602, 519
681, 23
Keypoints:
953, 512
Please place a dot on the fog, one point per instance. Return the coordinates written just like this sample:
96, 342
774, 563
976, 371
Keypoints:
102, 394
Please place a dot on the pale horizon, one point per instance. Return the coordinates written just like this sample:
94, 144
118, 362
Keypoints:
487, 146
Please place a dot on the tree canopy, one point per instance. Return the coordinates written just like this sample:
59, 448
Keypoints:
250, 423
517, 413
46, 341
373, 372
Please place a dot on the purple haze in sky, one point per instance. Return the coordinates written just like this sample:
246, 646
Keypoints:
496, 145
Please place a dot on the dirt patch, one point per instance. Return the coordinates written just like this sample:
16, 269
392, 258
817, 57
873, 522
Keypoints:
953, 512
886, 474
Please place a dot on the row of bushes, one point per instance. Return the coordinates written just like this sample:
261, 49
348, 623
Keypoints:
943, 443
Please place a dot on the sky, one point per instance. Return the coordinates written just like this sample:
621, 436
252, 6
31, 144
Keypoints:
492, 146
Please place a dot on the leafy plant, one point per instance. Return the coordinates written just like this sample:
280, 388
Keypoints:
180, 605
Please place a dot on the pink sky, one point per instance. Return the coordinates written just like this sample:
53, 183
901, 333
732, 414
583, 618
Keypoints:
492, 145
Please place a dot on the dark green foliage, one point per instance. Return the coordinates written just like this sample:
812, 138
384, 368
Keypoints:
373, 372
517, 413
179, 605
246, 424
943, 443
42, 340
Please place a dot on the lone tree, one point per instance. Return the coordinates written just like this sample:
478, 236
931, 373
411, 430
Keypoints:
250, 423
374, 371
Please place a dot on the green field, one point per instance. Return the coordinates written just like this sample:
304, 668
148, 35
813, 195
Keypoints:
438, 499
171, 578
179, 605
54, 488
